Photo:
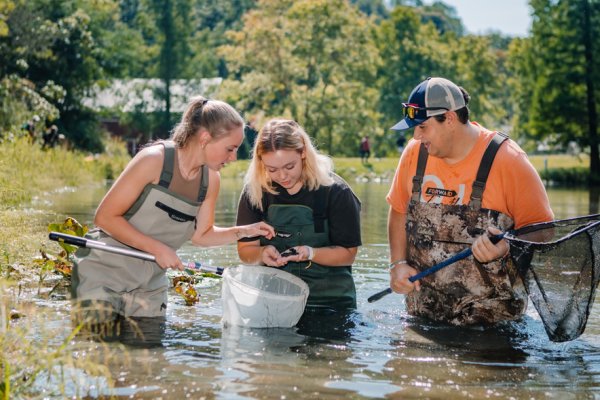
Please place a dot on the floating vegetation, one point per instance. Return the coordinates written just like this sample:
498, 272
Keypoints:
188, 292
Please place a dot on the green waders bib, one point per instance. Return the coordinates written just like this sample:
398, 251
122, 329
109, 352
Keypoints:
466, 292
331, 287
129, 286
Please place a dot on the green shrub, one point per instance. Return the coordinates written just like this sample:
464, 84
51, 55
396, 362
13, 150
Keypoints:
566, 177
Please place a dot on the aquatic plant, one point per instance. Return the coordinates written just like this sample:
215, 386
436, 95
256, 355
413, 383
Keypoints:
61, 262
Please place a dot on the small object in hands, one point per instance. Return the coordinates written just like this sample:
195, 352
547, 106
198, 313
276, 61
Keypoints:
282, 234
289, 252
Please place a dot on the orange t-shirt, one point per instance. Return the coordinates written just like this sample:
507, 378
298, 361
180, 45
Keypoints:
513, 186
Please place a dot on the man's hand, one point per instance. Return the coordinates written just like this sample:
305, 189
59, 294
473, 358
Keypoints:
485, 251
399, 282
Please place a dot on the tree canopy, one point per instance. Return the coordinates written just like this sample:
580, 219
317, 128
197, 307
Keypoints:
340, 68
312, 61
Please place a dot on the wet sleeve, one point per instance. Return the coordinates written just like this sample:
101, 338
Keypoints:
344, 216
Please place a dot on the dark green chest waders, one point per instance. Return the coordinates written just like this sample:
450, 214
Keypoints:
301, 225
466, 292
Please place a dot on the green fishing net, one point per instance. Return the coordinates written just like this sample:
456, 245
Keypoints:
559, 263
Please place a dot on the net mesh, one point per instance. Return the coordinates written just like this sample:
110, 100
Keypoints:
559, 263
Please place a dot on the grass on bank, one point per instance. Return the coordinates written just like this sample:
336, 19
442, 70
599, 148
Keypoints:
27, 170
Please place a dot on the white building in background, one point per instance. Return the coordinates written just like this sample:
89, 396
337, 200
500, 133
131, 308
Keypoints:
122, 96
143, 94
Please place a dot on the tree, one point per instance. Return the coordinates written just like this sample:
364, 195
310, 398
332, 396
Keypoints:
375, 8
59, 50
555, 71
414, 51
443, 16
173, 23
212, 20
314, 61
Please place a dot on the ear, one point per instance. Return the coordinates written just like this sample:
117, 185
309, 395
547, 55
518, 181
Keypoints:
451, 117
204, 137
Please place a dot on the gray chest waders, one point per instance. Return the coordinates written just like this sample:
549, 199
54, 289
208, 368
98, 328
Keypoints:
329, 286
134, 287
467, 292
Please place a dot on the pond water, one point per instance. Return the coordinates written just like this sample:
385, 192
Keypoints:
377, 352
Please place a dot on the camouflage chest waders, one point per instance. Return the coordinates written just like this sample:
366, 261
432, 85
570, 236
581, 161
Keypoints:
299, 225
466, 292
133, 287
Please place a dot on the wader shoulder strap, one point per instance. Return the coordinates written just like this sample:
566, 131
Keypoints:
203, 184
418, 178
484, 169
320, 208
167, 170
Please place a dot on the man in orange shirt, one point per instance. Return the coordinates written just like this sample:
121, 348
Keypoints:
456, 184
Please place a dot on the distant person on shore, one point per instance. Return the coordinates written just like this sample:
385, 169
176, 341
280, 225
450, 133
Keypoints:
316, 216
365, 149
458, 183
166, 196
50, 136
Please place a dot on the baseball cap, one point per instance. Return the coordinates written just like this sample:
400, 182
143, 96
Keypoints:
433, 96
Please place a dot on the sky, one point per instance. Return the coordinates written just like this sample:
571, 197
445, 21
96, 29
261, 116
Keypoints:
510, 17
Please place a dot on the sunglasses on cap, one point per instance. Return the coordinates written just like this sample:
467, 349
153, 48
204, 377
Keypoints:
410, 110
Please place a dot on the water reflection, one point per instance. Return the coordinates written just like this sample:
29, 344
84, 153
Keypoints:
376, 351
328, 324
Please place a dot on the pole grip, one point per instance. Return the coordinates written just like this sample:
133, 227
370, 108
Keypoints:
69, 239
379, 295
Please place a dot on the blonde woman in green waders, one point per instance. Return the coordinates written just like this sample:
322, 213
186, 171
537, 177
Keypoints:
316, 216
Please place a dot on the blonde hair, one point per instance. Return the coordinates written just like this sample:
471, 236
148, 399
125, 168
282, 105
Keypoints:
285, 134
217, 117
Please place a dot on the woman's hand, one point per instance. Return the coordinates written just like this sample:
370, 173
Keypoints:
271, 257
255, 230
295, 254
485, 251
167, 258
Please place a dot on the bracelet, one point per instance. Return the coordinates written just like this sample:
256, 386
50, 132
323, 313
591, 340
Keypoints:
311, 253
397, 262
